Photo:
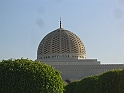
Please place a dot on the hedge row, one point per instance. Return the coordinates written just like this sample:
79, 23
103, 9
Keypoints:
108, 82
27, 76
70, 88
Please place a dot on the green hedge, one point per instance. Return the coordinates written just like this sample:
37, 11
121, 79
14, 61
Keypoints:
27, 76
86, 85
121, 82
70, 88
108, 82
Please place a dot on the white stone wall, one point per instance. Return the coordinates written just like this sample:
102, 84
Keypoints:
77, 69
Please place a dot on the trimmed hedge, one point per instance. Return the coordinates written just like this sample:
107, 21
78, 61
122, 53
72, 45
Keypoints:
86, 85
121, 82
108, 82
27, 76
70, 88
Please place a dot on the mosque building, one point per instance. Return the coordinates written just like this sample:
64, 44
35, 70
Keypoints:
64, 50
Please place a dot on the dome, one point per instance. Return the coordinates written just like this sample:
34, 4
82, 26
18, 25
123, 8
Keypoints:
61, 43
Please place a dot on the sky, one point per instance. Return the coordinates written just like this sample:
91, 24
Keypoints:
98, 23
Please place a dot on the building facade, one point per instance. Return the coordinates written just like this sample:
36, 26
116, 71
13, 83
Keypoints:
66, 53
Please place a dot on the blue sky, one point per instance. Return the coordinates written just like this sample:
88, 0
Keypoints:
98, 23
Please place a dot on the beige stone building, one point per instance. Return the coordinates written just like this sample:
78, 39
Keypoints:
66, 53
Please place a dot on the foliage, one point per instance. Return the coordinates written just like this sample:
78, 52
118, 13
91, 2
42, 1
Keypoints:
27, 76
121, 82
70, 88
108, 82
86, 85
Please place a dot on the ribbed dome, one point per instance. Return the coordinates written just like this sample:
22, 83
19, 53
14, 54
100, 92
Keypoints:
61, 43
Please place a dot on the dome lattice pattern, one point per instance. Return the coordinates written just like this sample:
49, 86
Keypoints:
60, 41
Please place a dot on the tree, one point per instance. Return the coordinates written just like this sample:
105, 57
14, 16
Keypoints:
86, 85
27, 76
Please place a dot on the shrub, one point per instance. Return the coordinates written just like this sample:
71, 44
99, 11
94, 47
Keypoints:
86, 85
27, 76
108, 82
121, 82
70, 88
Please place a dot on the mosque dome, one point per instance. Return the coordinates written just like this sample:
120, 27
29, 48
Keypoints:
61, 43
